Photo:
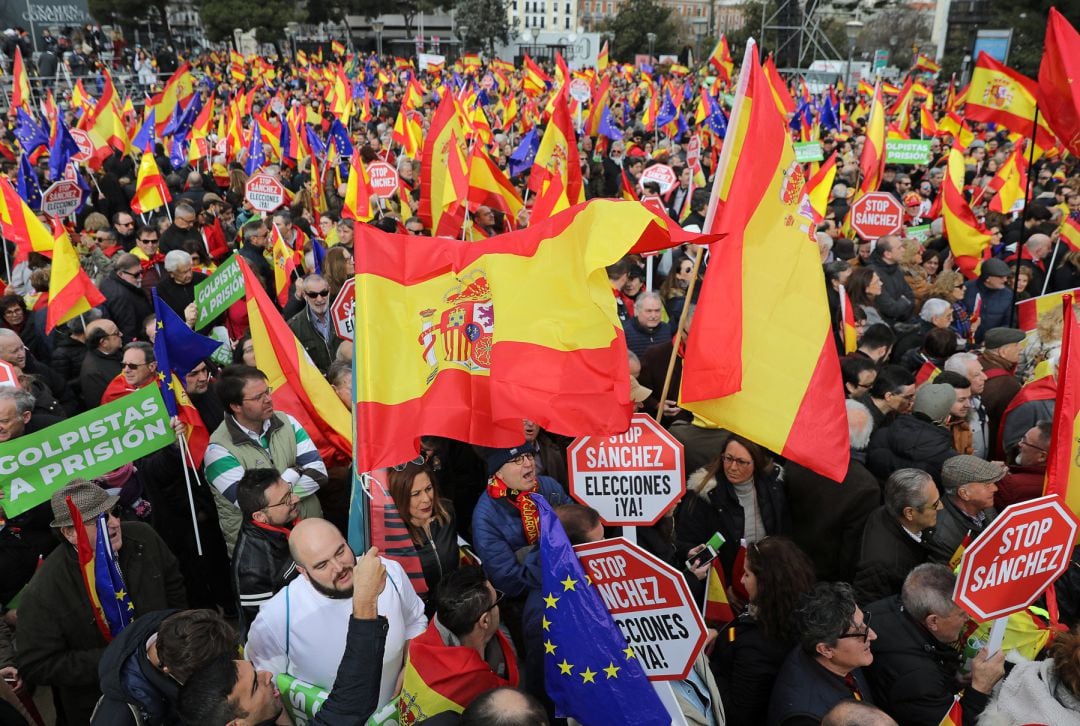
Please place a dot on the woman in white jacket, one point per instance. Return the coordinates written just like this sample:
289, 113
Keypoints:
1040, 692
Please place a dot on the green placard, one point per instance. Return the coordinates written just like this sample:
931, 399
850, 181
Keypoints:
808, 151
32, 467
215, 294
907, 151
920, 233
300, 699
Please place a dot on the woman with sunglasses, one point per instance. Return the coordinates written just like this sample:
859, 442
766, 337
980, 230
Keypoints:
740, 496
751, 650
430, 520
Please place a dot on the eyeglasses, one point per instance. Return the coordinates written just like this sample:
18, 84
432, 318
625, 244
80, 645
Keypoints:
134, 366
729, 459
286, 502
318, 293
149, 241
935, 505
1025, 442
864, 633
264, 396
137, 274
499, 595
418, 461
520, 459
12, 311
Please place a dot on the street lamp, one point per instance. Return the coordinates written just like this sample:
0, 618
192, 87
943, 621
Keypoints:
377, 26
652, 43
464, 31
852, 28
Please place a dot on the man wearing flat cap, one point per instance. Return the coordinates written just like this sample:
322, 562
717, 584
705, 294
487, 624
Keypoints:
59, 644
969, 484
992, 288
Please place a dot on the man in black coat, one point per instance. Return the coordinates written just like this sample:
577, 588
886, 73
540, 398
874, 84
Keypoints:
142, 669
920, 440
102, 362
914, 672
896, 303
126, 303
892, 543
831, 537
182, 229
256, 240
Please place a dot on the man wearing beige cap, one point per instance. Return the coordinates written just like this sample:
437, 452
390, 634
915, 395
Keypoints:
59, 644
969, 484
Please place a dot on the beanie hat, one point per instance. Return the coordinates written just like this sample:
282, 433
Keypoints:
934, 401
495, 458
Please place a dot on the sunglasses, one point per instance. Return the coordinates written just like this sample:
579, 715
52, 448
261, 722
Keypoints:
319, 293
418, 461
134, 366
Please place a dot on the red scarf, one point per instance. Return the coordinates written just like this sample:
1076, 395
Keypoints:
530, 515
151, 261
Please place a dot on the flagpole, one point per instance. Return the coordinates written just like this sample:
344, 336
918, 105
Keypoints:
1049, 269
679, 333
182, 443
1029, 188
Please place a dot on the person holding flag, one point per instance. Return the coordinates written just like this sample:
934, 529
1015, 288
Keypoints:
63, 629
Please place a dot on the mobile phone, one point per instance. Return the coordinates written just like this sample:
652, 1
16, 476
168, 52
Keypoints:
708, 554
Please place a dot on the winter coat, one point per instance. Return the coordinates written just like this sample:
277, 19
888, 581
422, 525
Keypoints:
996, 306
1032, 693
126, 305
67, 358
746, 664
912, 441
59, 645
804, 689
708, 508
887, 555
914, 674
261, 565
896, 303
639, 339
133, 690
178, 297
498, 536
951, 528
321, 350
98, 370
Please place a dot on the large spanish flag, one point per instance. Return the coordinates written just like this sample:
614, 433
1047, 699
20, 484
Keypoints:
761, 358
998, 94
555, 178
1062, 470
71, 293
1029, 311
299, 389
446, 125
968, 239
465, 339
1059, 73
872, 161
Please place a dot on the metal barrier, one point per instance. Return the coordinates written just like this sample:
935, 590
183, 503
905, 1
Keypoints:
126, 82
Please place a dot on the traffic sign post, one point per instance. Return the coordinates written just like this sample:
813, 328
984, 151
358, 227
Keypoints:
264, 193
579, 90
662, 174
343, 310
86, 146
61, 199
693, 153
631, 479
384, 179
650, 603
1015, 560
877, 214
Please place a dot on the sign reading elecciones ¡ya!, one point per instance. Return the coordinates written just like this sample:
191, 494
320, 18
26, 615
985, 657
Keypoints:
32, 467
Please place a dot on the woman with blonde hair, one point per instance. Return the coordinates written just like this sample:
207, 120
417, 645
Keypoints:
337, 268
1042, 343
949, 286
916, 276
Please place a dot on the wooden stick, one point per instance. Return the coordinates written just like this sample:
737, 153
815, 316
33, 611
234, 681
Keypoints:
679, 333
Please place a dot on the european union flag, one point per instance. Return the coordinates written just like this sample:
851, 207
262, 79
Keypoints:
716, 120
318, 147
607, 126
339, 137
590, 671
830, 117
256, 158
30, 135
144, 140
179, 152
28, 186
177, 347
116, 604
62, 149
78, 178
318, 254
667, 112
522, 158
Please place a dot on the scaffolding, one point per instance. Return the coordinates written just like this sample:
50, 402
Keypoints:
800, 37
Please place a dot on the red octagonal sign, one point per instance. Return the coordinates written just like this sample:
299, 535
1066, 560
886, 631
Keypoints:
1016, 558
631, 479
650, 603
264, 192
343, 310
877, 214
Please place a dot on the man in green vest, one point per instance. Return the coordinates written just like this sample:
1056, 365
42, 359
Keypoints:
254, 436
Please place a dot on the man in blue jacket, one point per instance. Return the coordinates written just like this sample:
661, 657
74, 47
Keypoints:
992, 288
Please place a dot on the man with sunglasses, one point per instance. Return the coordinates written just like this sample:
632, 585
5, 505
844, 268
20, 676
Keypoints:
59, 645
139, 370
462, 652
1027, 472
914, 671
313, 326
126, 302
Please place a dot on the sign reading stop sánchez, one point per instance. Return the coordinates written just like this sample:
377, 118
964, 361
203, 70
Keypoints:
343, 310
631, 479
384, 179
877, 214
651, 604
1016, 558
61, 199
264, 193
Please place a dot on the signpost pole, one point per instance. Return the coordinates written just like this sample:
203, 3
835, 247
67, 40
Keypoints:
679, 333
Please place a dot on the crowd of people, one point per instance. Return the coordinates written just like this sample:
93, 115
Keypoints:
840, 592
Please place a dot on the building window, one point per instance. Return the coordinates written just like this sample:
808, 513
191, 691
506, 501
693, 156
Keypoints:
566, 24
542, 24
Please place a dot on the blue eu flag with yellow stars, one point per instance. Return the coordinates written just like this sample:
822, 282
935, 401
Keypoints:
590, 671
116, 604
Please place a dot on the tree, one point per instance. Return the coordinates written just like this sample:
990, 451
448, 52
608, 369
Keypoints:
130, 14
486, 22
267, 17
635, 19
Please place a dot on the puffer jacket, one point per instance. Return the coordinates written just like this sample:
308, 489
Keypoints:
133, 690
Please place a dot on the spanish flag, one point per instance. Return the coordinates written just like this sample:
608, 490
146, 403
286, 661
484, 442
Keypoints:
452, 342
955, 716
1059, 70
602, 58
1062, 469
720, 60
819, 186
446, 125
761, 358
109, 601
1010, 182
847, 320
968, 239
488, 185
285, 264
717, 605
150, 189
178, 89
1029, 311
71, 293
556, 173
20, 83
925, 63
20, 225
998, 94
359, 202
927, 373
298, 388
872, 161
1070, 234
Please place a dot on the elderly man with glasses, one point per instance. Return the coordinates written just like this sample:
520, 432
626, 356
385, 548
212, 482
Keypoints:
313, 326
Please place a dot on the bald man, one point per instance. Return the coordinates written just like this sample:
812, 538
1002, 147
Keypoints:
103, 361
315, 609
